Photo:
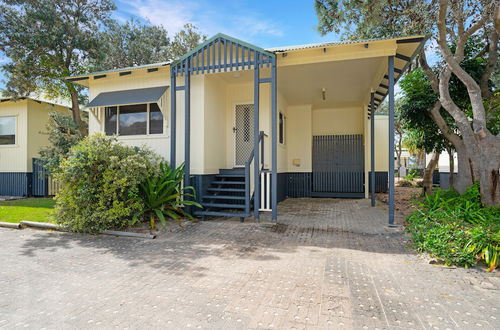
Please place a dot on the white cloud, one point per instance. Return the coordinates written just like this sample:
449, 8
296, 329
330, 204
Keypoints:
233, 20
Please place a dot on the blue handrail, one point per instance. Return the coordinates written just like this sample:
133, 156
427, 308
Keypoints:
247, 171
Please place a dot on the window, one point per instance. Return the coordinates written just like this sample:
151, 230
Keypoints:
7, 130
282, 128
133, 119
110, 115
136, 119
155, 119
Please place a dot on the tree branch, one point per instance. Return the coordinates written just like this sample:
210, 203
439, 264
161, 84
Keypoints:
433, 79
442, 125
453, 65
490, 64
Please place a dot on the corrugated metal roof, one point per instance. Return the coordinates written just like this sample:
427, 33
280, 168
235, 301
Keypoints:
332, 43
130, 68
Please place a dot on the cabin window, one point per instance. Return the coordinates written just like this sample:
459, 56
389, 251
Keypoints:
282, 128
136, 119
7, 130
155, 119
110, 114
133, 119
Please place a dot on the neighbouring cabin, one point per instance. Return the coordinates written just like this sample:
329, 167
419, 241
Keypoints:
262, 124
22, 123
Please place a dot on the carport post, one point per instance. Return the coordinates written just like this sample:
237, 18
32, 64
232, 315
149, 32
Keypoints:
187, 123
274, 142
391, 140
256, 138
173, 121
372, 146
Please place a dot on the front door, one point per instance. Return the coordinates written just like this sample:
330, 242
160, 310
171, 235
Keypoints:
243, 133
338, 166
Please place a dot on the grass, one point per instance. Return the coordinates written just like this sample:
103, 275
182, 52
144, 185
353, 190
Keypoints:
30, 209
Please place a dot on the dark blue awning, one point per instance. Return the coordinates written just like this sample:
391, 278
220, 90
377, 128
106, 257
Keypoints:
130, 96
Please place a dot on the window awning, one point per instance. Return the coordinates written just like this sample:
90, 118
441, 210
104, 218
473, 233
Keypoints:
131, 96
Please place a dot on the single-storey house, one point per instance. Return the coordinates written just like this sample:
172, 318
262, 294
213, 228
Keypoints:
22, 123
255, 125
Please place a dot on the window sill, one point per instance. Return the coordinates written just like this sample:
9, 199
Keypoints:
142, 137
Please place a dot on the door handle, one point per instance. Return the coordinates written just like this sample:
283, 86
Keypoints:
234, 129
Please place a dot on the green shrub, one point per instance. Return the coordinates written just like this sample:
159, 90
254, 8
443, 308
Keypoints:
405, 183
457, 228
100, 180
164, 197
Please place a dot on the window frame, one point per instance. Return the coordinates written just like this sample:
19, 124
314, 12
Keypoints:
148, 121
15, 131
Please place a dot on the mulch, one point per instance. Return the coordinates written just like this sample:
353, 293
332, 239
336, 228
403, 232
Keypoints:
404, 198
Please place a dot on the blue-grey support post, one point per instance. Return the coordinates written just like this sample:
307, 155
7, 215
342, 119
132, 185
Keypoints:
187, 122
391, 140
274, 142
173, 120
256, 136
372, 146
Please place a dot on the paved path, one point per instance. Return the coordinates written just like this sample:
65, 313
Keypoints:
329, 264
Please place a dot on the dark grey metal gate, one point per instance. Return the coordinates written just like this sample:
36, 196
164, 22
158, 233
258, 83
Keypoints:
40, 182
338, 166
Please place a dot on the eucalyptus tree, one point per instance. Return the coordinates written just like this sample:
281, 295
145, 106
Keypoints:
47, 40
134, 43
450, 25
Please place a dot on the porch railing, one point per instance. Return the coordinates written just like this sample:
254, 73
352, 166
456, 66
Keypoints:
249, 176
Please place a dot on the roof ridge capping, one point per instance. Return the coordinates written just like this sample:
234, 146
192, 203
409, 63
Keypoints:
413, 38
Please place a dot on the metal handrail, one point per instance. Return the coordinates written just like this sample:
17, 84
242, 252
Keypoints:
247, 171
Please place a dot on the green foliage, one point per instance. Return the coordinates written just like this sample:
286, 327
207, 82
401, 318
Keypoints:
163, 196
46, 40
457, 228
407, 182
63, 134
100, 184
134, 43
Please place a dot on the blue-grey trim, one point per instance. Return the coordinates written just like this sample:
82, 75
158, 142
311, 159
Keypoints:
187, 123
444, 180
130, 96
15, 183
256, 139
298, 184
435, 178
40, 181
372, 148
274, 142
391, 139
173, 118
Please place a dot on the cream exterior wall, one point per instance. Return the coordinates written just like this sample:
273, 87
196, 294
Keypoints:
13, 157
299, 138
38, 116
31, 121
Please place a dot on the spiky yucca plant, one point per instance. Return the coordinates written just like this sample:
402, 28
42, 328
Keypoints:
164, 197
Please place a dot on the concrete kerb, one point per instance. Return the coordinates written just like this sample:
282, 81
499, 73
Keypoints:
52, 226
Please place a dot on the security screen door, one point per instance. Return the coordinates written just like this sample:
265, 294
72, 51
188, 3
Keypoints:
243, 131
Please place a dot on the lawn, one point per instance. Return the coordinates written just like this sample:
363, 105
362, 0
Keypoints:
31, 209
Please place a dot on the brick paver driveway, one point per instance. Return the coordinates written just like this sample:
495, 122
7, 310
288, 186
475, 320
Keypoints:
329, 264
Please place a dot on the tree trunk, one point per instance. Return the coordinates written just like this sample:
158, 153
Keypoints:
451, 178
75, 108
489, 166
428, 173
466, 169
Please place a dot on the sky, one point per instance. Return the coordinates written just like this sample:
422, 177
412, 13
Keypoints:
265, 23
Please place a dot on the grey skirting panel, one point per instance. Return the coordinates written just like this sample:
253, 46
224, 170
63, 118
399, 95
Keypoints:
298, 184
15, 184
381, 182
200, 183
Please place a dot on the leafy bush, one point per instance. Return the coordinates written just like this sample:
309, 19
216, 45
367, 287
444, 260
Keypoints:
457, 228
63, 133
405, 183
163, 195
100, 184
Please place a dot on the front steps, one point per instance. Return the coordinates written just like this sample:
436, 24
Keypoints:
226, 195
